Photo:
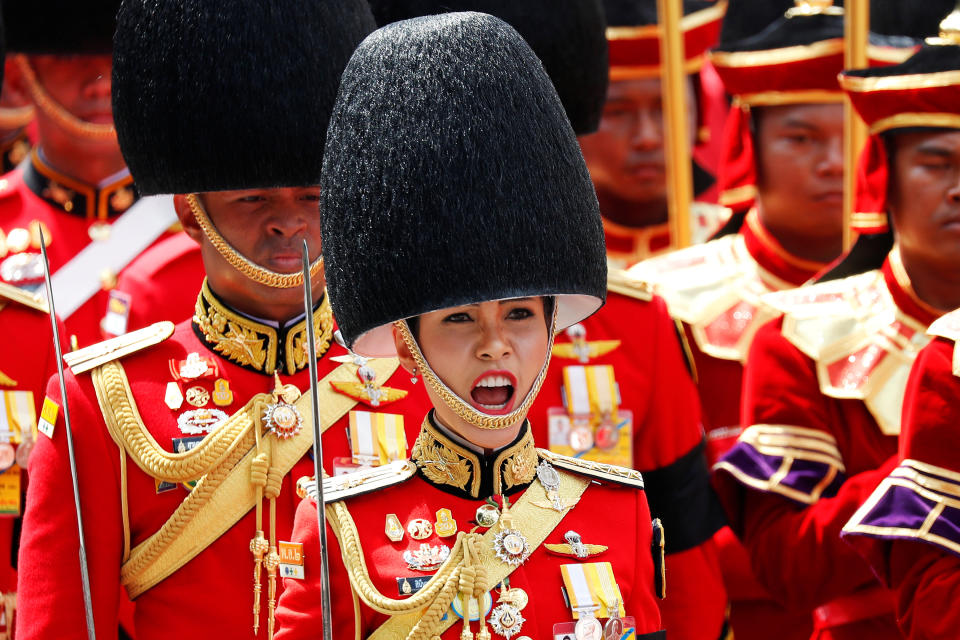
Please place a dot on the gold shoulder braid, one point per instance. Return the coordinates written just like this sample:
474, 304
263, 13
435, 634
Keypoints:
255, 345
446, 463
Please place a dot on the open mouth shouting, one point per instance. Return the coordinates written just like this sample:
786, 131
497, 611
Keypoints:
493, 392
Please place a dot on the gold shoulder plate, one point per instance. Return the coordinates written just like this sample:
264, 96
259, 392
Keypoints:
27, 299
619, 282
349, 485
598, 470
109, 350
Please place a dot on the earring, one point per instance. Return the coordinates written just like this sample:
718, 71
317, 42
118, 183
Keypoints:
413, 376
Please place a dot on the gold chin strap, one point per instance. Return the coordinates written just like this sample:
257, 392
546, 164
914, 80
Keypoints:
16, 117
814, 8
458, 405
57, 112
253, 271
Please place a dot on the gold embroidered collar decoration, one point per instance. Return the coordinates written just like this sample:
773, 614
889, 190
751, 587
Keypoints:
257, 346
458, 470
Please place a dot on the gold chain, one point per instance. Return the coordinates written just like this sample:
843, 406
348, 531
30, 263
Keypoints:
457, 404
253, 271
56, 111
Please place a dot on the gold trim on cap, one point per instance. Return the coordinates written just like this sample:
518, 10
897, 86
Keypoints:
890, 55
689, 22
868, 219
898, 83
902, 120
634, 72
774, 98
772, 57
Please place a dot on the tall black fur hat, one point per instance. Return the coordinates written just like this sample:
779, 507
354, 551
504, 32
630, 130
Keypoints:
568, 37
452, 176
211, 95
60, 27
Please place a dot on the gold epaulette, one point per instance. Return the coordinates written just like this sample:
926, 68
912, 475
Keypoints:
27, 299
619, 282
598, 470
115, 348
339, 488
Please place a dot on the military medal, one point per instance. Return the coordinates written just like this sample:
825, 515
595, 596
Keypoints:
581, 437
222, 395
8, 455
282, 416
18, 240
22, 268
588, 627
445, 525
487, 515
472, 608
199, 421
506, 620
613, 629
24, 449
426, 557
393, 528
367, 390
579, 349
550, 480
607, 435
509, 544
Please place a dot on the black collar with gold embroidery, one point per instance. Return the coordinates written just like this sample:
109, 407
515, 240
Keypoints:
458, 470
257, 346
75, 197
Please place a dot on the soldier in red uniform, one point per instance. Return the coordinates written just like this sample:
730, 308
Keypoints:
784, 155
626, 156
907, 528
76, 185
824, 384
619, 390
478, 514
185, 442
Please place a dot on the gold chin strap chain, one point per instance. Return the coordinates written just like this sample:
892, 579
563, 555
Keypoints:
56, 111
268, 480
461, 573
253, 271
457, 404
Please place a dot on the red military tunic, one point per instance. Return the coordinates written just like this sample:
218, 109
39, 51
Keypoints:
26, 363
715, 290
213, 592
654, 384
160, 281
607, 513
822, 393
908, 528
71, 214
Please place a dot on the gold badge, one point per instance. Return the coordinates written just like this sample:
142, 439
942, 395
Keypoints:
197, 396
574, 547
173, 398
393, 528
487, 515
222, 395
445, 526
419, 529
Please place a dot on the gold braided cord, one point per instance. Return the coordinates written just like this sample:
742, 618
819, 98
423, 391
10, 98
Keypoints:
352, 551
56, 111
121, 413
248, 268
457, 404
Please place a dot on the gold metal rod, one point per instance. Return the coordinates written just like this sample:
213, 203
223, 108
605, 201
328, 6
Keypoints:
856, 25
676, 129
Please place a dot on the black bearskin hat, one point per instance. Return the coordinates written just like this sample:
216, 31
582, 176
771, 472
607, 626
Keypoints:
452, 176
211, 95
60, 27
568, 37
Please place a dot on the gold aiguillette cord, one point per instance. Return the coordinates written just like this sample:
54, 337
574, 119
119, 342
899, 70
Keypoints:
258, 545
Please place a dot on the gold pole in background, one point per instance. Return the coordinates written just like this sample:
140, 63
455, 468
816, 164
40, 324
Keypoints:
856, 39
675, 126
